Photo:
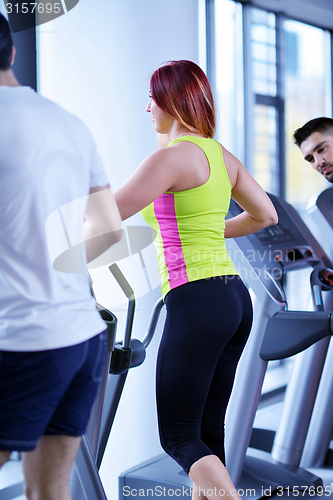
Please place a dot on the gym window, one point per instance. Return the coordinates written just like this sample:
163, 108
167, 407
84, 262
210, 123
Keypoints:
271, 74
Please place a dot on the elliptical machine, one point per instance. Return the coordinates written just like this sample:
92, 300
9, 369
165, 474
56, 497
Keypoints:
122, 356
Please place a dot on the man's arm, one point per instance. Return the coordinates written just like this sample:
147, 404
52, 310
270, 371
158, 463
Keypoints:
102, 222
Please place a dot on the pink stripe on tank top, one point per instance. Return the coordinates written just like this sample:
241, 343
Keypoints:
165, 213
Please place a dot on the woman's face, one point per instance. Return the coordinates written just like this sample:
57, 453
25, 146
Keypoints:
161, 120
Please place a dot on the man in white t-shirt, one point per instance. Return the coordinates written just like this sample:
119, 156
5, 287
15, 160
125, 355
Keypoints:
56, 213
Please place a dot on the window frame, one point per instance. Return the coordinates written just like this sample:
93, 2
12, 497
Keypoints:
251, 98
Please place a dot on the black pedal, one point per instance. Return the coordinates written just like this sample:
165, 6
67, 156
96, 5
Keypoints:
120, 359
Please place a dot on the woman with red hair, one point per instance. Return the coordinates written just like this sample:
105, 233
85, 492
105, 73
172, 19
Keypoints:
183, 192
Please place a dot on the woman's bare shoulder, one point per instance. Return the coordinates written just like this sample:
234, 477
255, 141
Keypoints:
232, 164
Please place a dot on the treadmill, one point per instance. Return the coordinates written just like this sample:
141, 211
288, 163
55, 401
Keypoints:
282, 248
317, 455
261, 259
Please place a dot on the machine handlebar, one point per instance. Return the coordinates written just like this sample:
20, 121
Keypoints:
121, 280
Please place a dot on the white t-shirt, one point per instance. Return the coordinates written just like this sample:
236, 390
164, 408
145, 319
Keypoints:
48, 161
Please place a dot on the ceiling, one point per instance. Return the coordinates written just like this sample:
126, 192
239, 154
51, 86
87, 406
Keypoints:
317, 12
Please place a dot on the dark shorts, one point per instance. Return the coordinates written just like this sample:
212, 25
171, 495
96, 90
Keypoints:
48, 392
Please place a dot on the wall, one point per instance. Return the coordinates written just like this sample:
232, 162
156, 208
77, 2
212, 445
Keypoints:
96, 61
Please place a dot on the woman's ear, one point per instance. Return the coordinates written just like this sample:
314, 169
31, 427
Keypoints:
13, 56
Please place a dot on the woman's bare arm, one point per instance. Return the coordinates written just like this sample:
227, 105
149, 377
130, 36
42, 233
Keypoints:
155, 175
259, 211
102, 224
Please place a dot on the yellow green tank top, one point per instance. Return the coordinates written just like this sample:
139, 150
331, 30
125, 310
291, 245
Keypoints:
190, 225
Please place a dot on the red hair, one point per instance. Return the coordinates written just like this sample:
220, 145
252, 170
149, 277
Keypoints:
182, 90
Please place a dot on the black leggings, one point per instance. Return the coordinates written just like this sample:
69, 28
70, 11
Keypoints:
207, 326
